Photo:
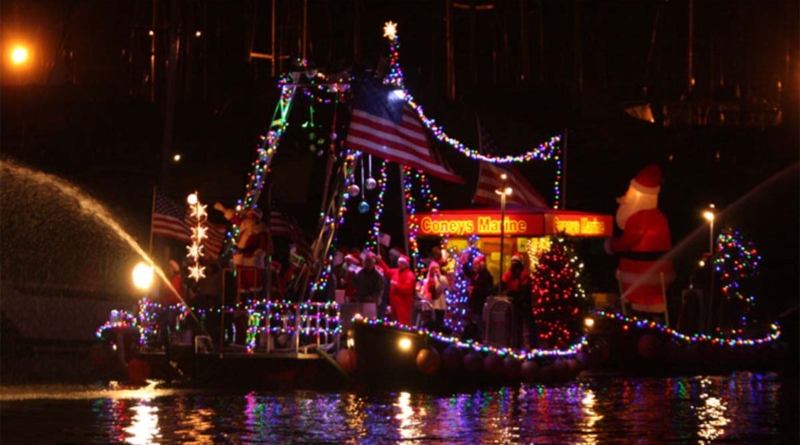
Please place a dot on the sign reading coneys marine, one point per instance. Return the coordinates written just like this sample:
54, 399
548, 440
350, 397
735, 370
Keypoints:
462, 223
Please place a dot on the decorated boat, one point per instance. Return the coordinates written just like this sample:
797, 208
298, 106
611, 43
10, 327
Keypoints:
383, 112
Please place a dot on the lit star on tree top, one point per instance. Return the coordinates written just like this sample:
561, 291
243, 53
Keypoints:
390, 30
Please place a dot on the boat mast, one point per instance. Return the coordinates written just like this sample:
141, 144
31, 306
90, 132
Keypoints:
690, 50
451, 73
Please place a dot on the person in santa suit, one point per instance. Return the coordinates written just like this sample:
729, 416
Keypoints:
643, 272
251, 249
402, 285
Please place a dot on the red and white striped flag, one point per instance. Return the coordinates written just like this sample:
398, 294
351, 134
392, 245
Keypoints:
172, 220
490, 179
383, 124
282, 224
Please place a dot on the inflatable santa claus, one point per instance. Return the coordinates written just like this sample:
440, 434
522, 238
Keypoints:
644, 273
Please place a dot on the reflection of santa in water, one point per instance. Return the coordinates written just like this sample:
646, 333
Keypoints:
251, 248
644, 242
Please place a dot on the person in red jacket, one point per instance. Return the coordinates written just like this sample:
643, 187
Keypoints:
402, 285
645, 240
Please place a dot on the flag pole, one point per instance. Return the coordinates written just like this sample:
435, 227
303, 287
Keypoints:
152, 213
403, 212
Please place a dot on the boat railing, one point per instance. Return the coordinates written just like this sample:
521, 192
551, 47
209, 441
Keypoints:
286, 326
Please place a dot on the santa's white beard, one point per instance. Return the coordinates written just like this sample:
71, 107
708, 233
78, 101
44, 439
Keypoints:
623, 213
633, 201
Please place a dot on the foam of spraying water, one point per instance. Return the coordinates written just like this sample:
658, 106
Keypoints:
87, 205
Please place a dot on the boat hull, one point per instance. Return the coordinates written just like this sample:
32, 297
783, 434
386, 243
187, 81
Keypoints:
382, 363
630, 348
272, 370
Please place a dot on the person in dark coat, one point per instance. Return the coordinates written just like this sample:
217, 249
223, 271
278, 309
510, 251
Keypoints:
481, 283
369, 283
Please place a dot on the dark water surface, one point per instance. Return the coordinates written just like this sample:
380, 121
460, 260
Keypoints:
742, 408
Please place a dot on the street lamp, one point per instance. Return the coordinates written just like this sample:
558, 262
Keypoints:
503, 192
19, 55
709, 216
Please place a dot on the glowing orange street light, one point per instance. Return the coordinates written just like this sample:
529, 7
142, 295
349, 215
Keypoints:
709, 216
19, 55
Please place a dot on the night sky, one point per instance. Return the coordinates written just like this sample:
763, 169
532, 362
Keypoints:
82, 107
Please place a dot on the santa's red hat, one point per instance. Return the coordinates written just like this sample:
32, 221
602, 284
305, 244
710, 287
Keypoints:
480, 258
516, 257
404, 259
648, 181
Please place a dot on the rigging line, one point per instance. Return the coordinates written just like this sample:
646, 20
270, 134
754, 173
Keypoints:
652, 45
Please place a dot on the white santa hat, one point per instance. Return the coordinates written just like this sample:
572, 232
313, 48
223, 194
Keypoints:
352, 259
648, 181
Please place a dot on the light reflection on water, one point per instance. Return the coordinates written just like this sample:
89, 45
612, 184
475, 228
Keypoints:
743, 408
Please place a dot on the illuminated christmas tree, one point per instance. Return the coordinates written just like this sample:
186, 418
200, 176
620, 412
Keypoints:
559, 300
735, 265
458, 299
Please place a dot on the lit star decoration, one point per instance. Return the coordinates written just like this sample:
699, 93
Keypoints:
390, 30
199, 214
735, 263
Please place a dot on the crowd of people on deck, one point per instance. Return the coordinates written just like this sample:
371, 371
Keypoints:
384, 278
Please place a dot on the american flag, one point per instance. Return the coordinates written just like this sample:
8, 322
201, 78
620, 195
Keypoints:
175, 221
385, 126
489, 180
282, 224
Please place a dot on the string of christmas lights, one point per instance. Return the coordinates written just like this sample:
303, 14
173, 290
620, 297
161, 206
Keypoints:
481, 348
379, 204
309, 318
334, 222
773, 335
